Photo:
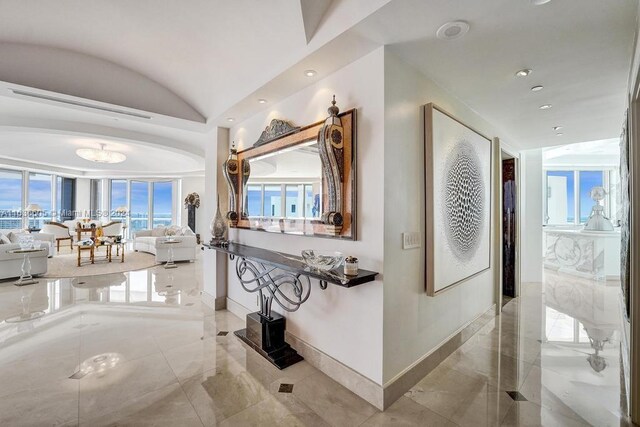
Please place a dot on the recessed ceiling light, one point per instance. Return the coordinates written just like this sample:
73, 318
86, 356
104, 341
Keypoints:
523, 73
539, 2
262, 101
310, 73
559, 134
452, 30
545, 106
230, 119
537, 88
557, 127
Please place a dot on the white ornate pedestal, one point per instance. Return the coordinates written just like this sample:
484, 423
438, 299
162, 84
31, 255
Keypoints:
589, 254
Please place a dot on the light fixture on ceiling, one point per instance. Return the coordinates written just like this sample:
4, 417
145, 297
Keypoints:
262, 101
537, 88
523, 73
559, 134
539, 2
310, 73
557, 127
231, 119
545, 106
452, 30
101, 155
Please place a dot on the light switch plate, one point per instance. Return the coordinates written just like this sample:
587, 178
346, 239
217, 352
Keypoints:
411, 240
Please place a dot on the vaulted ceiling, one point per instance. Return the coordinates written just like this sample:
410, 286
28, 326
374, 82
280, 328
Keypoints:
191, 64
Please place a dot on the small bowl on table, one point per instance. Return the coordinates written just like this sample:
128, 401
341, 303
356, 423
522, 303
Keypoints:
322, 260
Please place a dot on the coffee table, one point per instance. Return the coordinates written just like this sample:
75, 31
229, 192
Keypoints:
26, 278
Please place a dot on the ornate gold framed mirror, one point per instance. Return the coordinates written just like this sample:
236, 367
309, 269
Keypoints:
297, 180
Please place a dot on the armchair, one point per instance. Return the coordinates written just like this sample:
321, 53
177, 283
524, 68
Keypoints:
113, 229
59, 231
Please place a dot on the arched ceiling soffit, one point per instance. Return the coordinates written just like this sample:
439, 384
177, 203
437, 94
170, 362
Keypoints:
73, 73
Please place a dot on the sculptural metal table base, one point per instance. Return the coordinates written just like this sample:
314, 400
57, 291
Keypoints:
266, 336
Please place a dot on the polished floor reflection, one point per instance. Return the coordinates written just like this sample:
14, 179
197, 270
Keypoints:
140, 348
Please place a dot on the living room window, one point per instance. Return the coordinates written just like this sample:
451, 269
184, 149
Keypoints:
118, 196
11, 199
162, 203
40, 199
568, 195
139, 196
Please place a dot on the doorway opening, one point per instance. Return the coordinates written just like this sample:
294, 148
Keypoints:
509, 227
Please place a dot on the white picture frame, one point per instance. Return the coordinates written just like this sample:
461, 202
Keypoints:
457, 201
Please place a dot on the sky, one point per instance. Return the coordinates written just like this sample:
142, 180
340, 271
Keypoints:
10, 192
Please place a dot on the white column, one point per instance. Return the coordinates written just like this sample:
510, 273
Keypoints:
214, 264
531, 216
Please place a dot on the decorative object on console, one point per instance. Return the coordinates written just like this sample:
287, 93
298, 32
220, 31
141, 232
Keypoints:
276, 129
597, 221
218, 227
457, 201
321, 260
351, 266
192, 202
231, 169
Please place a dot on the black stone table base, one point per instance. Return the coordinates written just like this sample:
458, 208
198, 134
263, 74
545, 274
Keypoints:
266, 336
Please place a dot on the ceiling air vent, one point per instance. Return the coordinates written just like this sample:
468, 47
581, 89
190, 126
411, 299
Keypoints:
78, 103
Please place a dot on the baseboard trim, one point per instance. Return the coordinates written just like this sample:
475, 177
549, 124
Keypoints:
214, 303
339, 372
379, 396
237, 308
395, 388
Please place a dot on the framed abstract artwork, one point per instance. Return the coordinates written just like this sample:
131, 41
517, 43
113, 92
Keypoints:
457, 201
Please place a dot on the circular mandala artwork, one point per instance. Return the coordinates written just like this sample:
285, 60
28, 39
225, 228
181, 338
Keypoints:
463, 201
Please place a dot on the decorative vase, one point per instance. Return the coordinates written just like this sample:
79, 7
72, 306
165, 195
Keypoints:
218, 225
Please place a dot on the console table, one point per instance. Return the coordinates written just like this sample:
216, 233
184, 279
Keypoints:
283, 279
26, 278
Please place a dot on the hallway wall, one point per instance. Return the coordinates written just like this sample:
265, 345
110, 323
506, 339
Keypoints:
415, 324
345, 324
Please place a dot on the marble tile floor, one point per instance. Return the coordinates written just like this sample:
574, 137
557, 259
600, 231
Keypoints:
141, 349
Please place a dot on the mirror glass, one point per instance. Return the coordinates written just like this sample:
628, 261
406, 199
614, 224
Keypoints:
285, 184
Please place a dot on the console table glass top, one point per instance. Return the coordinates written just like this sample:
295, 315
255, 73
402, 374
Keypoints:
295, 264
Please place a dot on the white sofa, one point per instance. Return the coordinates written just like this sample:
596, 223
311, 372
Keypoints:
153, 242
11, 264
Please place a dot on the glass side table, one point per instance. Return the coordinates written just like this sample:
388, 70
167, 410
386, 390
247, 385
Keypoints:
26, 278
170, 263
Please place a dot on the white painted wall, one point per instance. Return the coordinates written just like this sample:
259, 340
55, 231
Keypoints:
343, 323
190, 185
415, 324
83, 196
531, 216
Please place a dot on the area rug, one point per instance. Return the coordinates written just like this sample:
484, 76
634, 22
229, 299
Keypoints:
65, 264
